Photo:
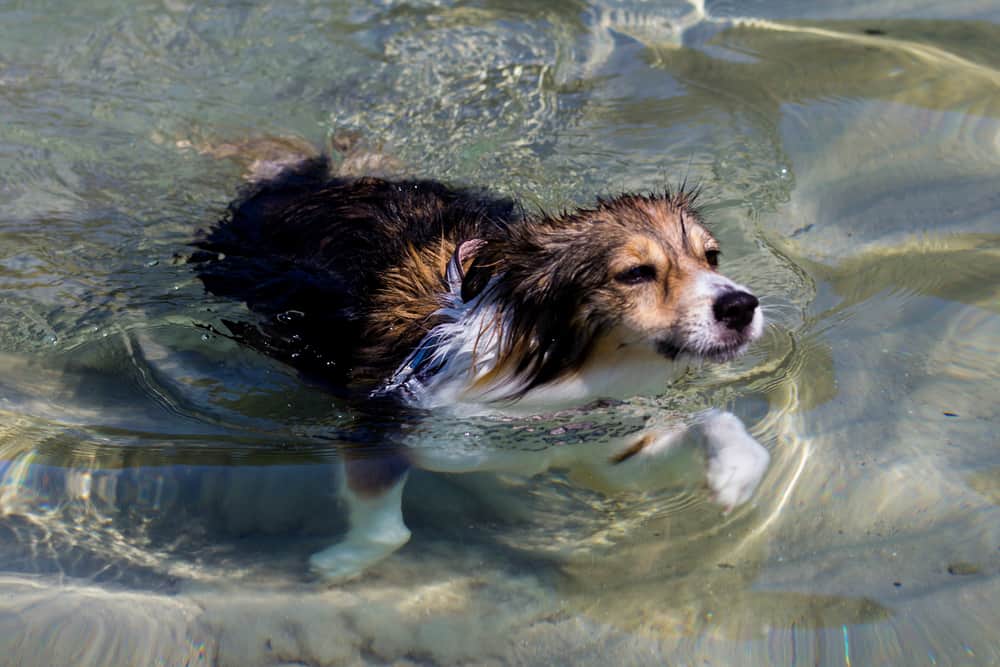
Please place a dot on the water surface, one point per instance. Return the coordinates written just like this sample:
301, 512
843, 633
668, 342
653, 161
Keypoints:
161, 488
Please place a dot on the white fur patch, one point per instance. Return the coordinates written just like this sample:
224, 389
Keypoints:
456, 354
736, 462
702, 332
376, 530
452, 356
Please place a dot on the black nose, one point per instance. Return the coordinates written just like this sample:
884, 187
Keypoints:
735, 309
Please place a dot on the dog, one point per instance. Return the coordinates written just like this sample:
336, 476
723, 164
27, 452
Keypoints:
415, 295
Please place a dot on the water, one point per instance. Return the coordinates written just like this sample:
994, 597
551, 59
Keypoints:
161, 488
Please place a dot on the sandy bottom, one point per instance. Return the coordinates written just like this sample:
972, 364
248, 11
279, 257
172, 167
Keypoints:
491, 617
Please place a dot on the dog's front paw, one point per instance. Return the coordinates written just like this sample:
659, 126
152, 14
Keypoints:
736, 462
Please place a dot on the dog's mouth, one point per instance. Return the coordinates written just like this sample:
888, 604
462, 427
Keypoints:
735, 323
718, 353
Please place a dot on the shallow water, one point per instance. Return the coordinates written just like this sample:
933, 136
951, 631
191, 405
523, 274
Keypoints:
161, 488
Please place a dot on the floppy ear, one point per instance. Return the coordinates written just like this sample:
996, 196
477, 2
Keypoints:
460, 260
466, 274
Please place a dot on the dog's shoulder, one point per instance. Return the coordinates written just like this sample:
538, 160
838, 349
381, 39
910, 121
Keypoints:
344, 271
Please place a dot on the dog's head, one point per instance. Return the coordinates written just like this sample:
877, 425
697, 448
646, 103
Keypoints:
636, 272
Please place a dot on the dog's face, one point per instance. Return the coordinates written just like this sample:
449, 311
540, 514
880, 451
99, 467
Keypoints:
635, 274
663, 289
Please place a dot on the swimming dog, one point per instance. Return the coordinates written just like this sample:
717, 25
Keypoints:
413, 293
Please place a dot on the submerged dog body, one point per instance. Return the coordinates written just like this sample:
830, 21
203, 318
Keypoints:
438, 297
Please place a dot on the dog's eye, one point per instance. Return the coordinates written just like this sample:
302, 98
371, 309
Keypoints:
637, 274
712, 257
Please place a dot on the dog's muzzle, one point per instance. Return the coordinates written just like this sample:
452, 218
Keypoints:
720, 336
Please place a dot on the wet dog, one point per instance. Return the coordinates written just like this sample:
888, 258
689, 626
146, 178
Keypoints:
413, 293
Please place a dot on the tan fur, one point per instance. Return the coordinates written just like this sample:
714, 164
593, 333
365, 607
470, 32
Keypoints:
404, 308
632, 231
677, 253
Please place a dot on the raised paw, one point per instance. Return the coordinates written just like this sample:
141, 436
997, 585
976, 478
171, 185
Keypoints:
736, 462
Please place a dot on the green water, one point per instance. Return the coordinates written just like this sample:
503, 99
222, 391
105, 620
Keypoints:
161, 489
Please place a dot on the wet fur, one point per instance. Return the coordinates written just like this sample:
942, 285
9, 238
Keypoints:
553, 277
353, 278
347, 274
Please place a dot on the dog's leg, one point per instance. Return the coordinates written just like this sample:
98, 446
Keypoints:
646, 461
657, 458
372, 491
736, 462
262, 157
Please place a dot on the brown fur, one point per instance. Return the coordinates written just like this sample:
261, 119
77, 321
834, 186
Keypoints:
403, 309
348, 273
558, 281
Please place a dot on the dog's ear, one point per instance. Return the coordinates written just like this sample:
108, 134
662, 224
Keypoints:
466, 273
460, 261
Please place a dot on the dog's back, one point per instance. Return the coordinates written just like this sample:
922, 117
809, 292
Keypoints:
344, 273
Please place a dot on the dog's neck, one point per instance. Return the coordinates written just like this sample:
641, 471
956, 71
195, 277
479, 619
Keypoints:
453, 356
455, 366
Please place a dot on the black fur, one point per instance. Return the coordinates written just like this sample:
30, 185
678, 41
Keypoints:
308, 253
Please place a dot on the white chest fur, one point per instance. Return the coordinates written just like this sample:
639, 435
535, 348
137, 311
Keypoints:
447, 370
